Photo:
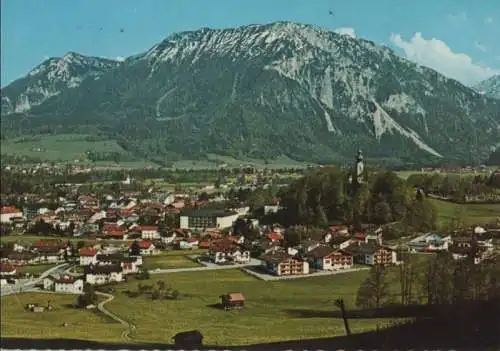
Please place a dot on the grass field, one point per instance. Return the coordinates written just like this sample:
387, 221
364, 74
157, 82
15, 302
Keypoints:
35, 269
470, 213
268, 316
29, 239
172, 259
82, 324
63, 147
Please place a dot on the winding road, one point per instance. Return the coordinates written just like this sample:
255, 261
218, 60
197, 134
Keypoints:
129, 327
29, 284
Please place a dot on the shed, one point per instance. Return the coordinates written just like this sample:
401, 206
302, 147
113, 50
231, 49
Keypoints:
232, 300
192, 338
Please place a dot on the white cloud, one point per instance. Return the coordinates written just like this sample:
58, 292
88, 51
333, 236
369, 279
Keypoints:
435, 54
346, 31
120, 58
480, 46
459, 17
488, 20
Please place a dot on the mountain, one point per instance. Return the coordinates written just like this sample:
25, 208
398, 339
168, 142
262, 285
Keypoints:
263, 91
490, 87
50, 78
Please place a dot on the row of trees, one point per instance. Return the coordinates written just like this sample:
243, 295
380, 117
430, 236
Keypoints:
441, 281
455, 186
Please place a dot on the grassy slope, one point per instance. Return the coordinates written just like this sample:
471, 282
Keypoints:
268, 316
472, 213
82, 324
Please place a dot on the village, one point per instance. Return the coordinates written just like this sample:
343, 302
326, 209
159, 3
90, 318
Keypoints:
119, 241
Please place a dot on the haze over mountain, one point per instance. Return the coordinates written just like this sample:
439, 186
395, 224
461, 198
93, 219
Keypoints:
259, 91
490, 87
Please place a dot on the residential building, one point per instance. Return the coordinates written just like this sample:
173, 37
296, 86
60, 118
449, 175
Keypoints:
225, 251
8, 213
88, 256
371, 254
429, 242
103, 274
63, 284
200, 218
149, 232
7, 269
281, 263
328, 258
147, 248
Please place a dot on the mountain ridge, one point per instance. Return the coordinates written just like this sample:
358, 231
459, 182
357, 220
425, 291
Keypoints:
490, 87
263, 91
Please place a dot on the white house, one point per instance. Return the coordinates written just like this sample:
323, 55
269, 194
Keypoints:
327, 258
103, 274
88, 256
7, 269
8, 213
64, 284
429, 242
147, 248
149, 232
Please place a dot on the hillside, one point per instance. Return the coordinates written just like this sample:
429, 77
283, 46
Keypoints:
263, 91
490, 87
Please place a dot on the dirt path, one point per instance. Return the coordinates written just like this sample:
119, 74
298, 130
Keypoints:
129, 328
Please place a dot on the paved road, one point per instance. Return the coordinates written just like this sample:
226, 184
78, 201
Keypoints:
24, 285
267, 277
129, 328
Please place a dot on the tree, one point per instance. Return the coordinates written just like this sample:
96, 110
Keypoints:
421, 216
374, 291
382, 212
89, 297
407, 275
321, 218
135, 248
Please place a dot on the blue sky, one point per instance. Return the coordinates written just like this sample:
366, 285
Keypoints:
457, 37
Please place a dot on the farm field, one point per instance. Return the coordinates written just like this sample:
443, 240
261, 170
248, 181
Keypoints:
82, 324
172, 259
470, 213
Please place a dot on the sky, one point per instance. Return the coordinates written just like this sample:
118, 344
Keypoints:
459, 38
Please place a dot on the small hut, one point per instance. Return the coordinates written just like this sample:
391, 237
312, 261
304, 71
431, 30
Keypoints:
232, 300
192, 338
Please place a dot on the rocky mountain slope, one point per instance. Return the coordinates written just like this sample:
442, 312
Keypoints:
50, 78
268, 90
490, 87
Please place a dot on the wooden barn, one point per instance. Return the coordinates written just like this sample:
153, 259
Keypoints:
232, 300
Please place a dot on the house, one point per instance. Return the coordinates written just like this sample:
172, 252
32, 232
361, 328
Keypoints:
149, 232
7, 270
222, 251
281, 263
189, 339
328, 258
274, 237
8, 213
201, 218
147, 248
63, 284
232, 300
129, 264
429, 242
341, 242
22, 258
103, 274
306, 246
372, 254
88, 256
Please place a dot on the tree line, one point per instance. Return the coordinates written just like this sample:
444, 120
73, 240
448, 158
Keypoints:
323, 197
